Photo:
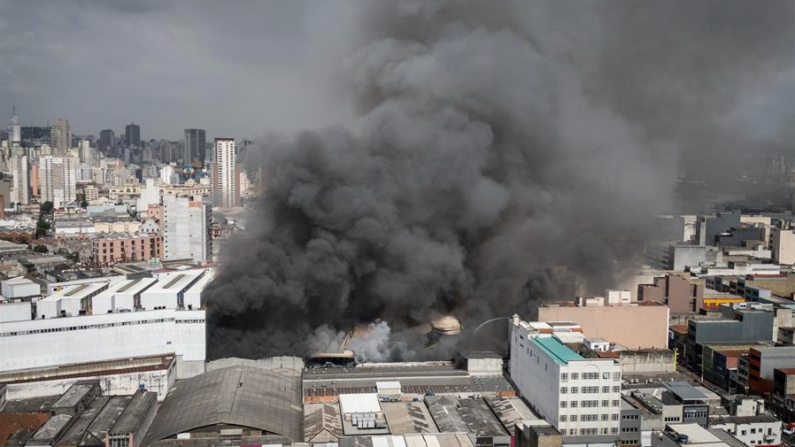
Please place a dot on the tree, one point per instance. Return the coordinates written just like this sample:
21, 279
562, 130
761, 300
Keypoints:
84, 204
47, 208
40, 249
74, 257
42, 227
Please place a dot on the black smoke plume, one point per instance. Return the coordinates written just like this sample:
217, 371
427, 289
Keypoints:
501, 149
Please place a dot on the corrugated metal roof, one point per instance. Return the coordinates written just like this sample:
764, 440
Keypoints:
245, 397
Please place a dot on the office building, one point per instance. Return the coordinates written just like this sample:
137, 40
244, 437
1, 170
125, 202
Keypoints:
226, 174
57, 180
60, 137
107, 140
187, 228
194, 148
14, 129
132, 135
578, 396
20, 170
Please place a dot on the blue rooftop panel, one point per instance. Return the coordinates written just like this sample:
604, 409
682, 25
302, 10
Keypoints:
559, 352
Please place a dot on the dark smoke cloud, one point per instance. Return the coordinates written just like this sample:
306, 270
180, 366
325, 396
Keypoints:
502, 148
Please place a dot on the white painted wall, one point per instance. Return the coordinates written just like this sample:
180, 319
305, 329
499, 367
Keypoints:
15, 312
63, 341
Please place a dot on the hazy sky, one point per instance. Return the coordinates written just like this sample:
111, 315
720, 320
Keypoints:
235, 69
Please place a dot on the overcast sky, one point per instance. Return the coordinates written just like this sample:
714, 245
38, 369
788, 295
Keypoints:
235, 69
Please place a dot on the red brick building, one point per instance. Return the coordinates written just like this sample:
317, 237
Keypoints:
111, 248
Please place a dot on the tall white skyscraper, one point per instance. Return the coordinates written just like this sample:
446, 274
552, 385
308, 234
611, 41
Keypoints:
14, 129
225, 174
187, 228
20, 169
57, 180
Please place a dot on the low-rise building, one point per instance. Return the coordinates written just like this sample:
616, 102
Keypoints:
112, 248
753, 431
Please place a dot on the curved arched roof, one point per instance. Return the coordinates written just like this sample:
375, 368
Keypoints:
240, 396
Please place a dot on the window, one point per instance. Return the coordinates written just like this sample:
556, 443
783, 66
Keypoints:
574, 390
616, 389
590, 376
575, 376
606, 376
614, 431
563, 390
574, 404
563, 404
563, 418
604, 417
605, 403
605, 389
753, 431
604, 430
614, 417
573, 418
564, 377
615, 403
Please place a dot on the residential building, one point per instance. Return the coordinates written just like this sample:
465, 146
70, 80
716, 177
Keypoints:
60, 138
14, 129
187, 228
20, 170
132, 135
111, 248
634, 325
578, 396
194, 148
753, 431
57, 180
226, 174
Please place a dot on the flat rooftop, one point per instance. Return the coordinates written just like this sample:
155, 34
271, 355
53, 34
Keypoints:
559, 352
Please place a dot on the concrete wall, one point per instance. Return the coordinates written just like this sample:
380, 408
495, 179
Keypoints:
633, 362
159, 381
635, 327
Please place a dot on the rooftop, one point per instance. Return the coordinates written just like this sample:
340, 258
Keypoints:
559, 352
141, 403
74, 394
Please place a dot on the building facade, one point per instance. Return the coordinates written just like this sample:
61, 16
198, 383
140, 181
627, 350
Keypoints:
20, 169
187, 228
132, 135
226, 174
194, 148
109, 249
578, 396
57, 180
60, 137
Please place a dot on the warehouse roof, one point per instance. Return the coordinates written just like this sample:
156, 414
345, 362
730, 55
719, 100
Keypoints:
237, 396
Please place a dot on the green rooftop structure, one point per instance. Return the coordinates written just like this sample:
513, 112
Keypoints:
559, 352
